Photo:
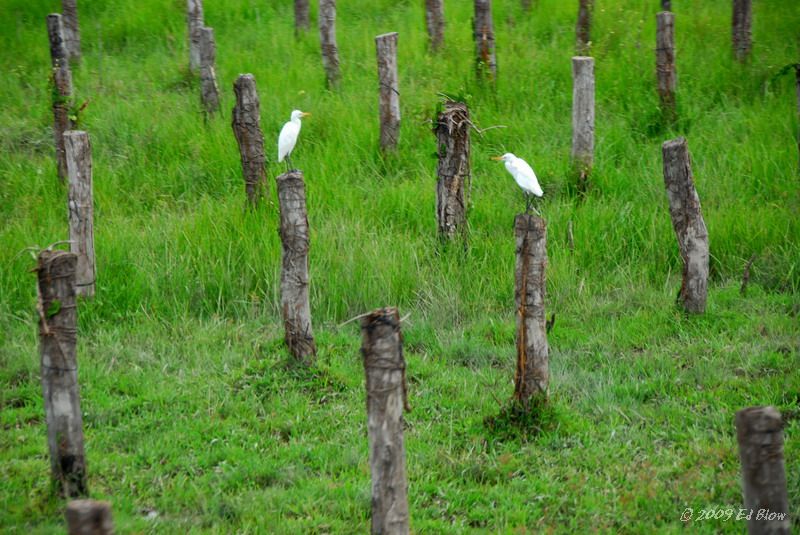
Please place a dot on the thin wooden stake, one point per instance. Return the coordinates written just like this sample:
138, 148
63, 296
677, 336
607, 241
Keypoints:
741, 23
385, 369
194, 19
327, 38
295, 306
687, 221
386, 52
453, 148
81, 209
247, 129
483, 32
62, 90
72, 34
209, 90
532, 375
665, 63
434, 21
89, 517
58, 328
582, 118
301, 19
759, 431
583, 37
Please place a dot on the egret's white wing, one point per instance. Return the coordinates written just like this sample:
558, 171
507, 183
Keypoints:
287, 139
526, 178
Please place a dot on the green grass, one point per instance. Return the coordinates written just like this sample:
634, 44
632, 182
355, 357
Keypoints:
190, 409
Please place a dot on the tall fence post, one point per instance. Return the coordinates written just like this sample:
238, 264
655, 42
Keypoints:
665, 63
209, 90
194, 19
72, 34
247, 129
583, 27
759, 431
434, 21
687, 221
741, 24
62, 89
483, 32
582, 118
89, 517
532, 375
58, 326
385, 369
386, 52
453, 171
327, 38
295, 306
81, 210
666, 5
301, 19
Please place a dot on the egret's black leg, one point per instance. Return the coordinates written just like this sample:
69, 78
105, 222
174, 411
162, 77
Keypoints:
527, 203
288, 163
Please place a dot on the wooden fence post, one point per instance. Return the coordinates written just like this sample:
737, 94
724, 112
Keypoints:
483, 32
72, 34
301, 19
58, 326
687, 221
194, 18
62, 89
247, 129
434, 21
742, 22
209, 90
797, 83
532, 375
295, 307
452, 147
666, 5
386, 52
665, 63
81, 209
759, 431
327, 38
89, 517
385, 369
583, 27
582, 118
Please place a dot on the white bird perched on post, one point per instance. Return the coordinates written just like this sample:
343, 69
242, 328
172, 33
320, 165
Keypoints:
523, 175
288, 137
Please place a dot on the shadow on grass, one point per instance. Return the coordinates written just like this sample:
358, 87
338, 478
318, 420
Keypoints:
517, 422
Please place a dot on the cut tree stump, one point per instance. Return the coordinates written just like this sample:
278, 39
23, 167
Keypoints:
62, 90
453, 171
89, 517
81, 209
386, 52
327, 38
247, 129
483, 33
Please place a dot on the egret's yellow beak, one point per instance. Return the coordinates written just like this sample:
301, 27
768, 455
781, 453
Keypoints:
497, 158
305, 114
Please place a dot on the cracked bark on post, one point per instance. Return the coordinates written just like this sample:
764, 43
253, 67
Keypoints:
89, 517
741, 24
62, 89
247, 129
759, 431
386, 52
327, 38
434, 22
384, 366
532, 373
72, 35
687, 221
453, 171
58, 334
665, 63
483, 33
583, 118
301, 20
295, 306
583, 27
209, 90
194, 19
80, 209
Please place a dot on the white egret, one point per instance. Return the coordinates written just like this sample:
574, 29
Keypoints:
288, 137
524, 176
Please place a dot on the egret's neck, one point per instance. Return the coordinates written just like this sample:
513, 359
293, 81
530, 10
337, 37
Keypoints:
296, 120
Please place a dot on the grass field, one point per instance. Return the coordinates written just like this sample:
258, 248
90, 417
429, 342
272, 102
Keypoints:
194, 421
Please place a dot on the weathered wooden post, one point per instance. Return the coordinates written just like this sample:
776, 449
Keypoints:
452, 147
89, 517
295, 307
483, 32
81, 209
434, 21
327, 38
583, 37
301, 20
759, 431
386, 52
247, 129
194, 18
385, 368
666, 5
797, 83
209, 90
72, 34
532, 376
665, 63
62, 89
582, 118
687, 221
58, 326
742, 22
